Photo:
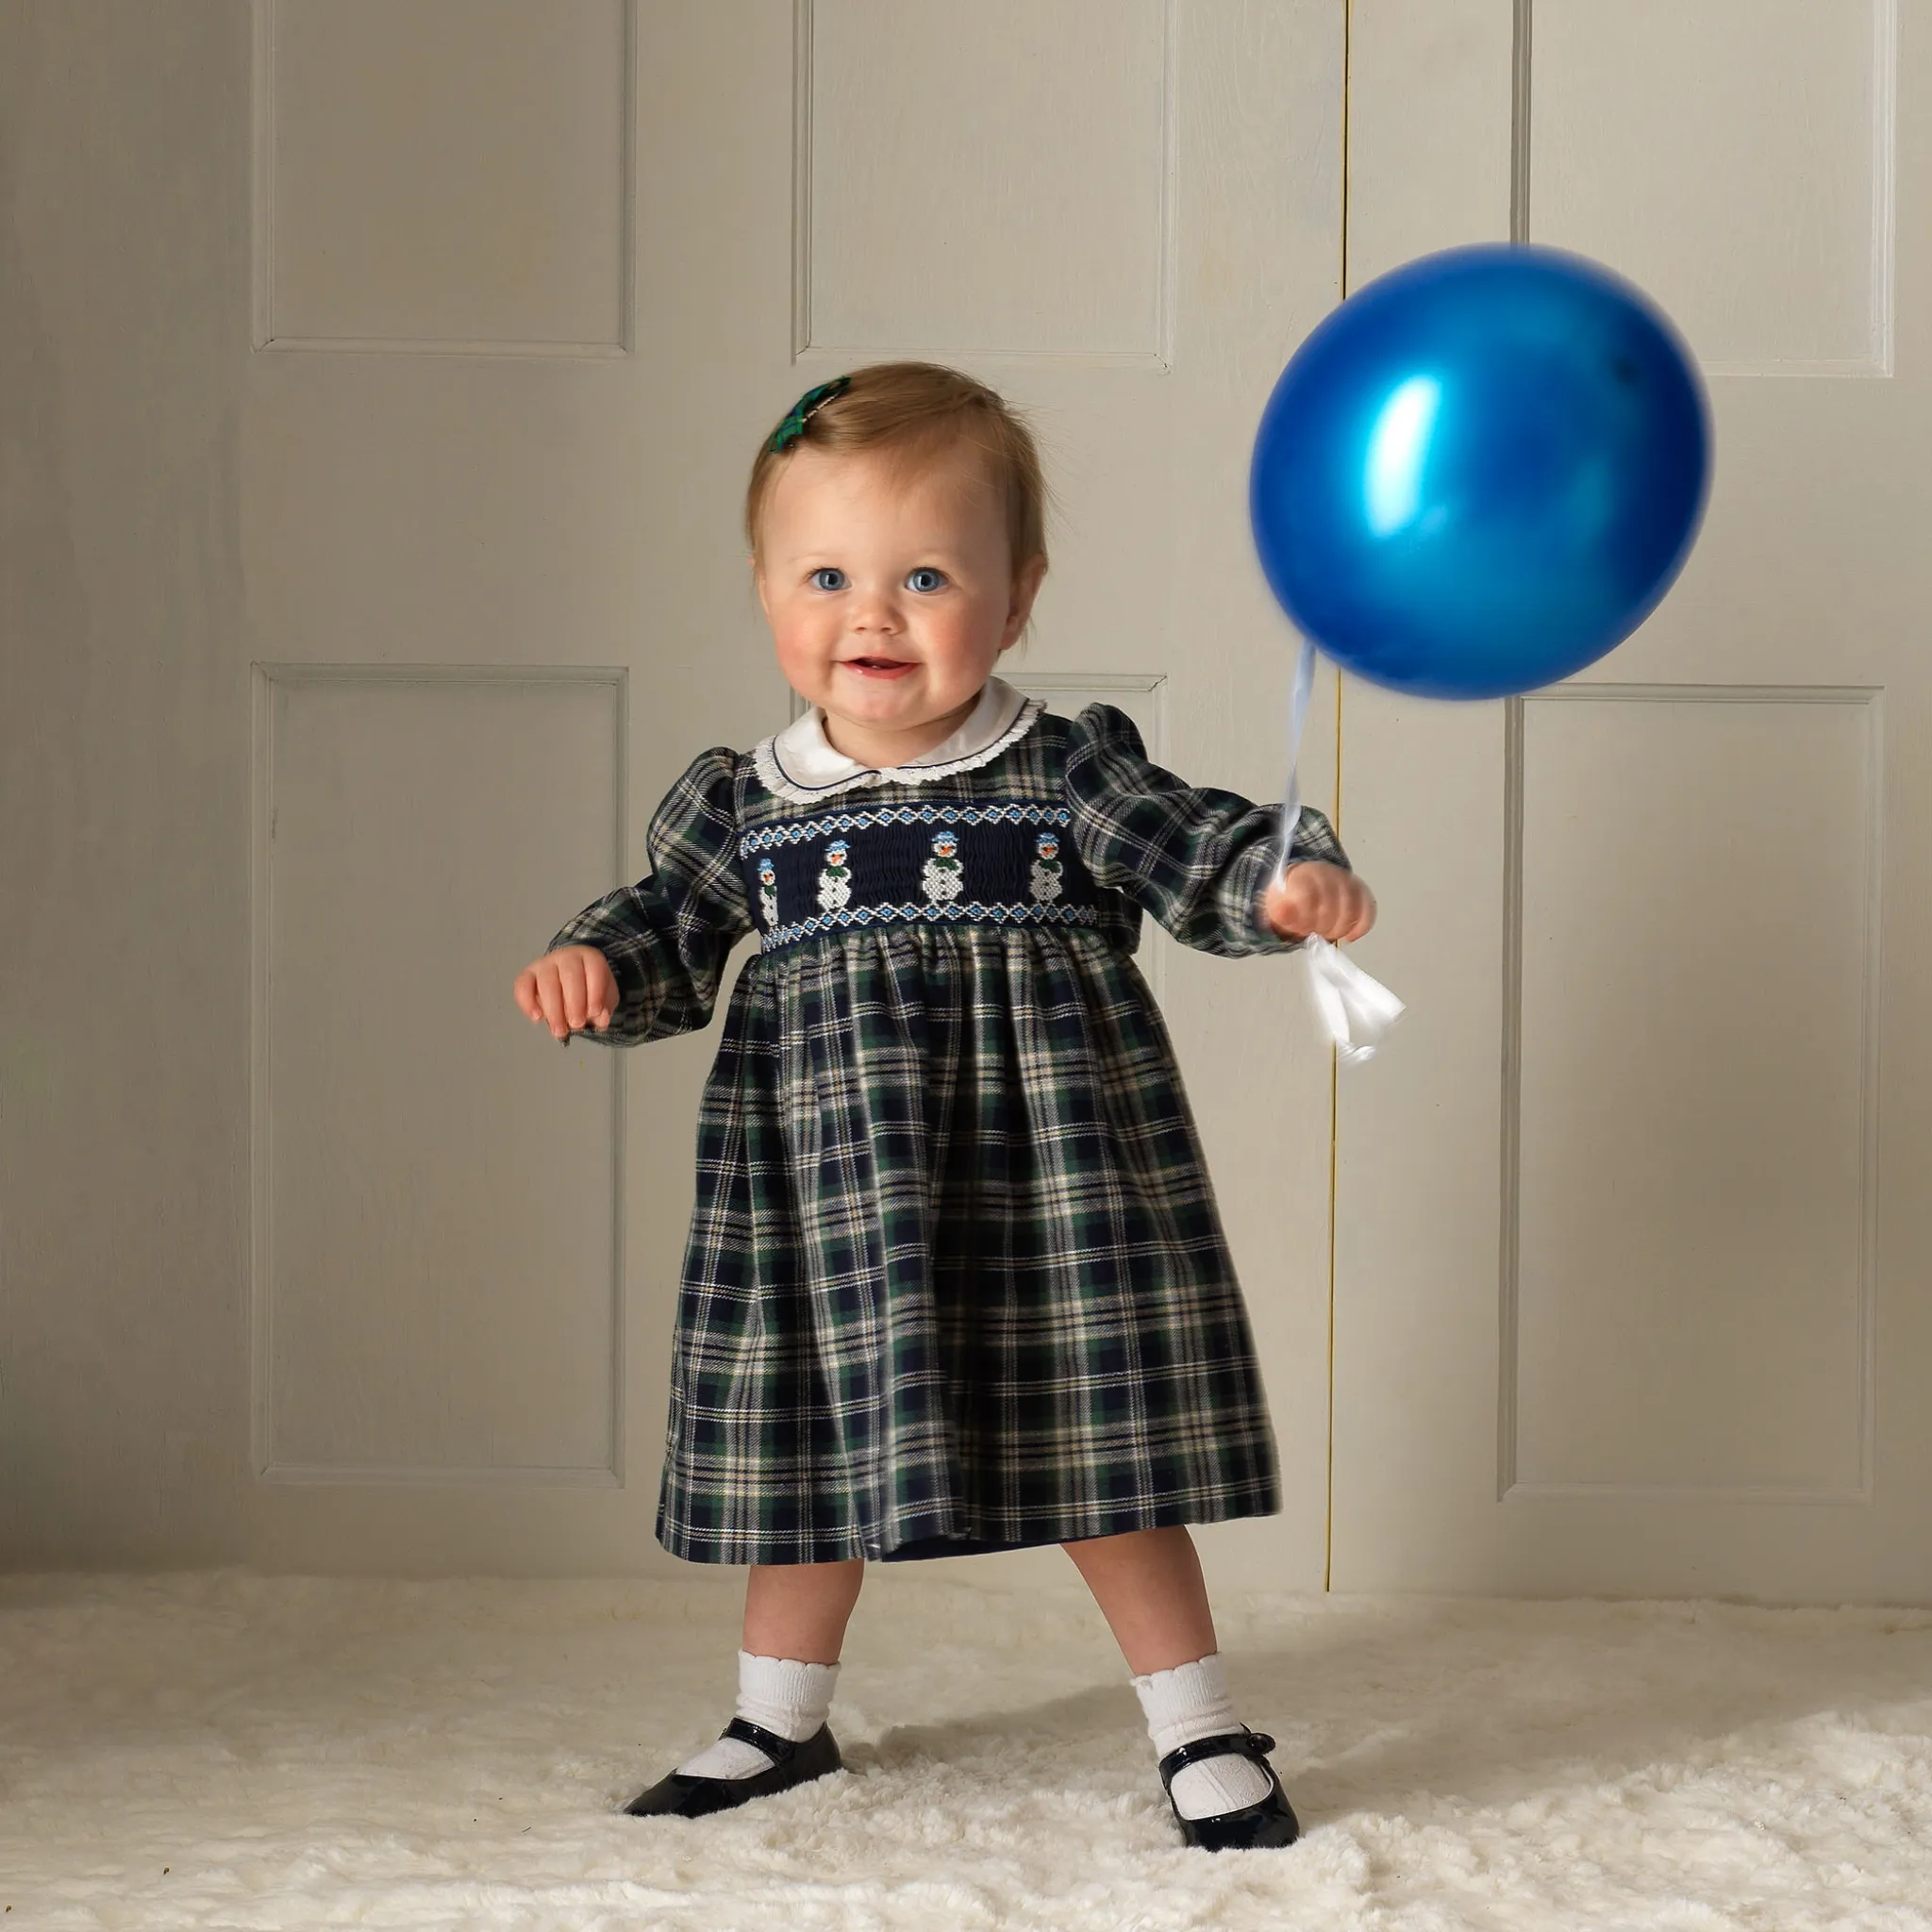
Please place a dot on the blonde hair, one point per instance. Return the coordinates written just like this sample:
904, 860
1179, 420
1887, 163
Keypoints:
913, 408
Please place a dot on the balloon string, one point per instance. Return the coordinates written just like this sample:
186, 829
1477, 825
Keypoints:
1354, 1010
1297, 724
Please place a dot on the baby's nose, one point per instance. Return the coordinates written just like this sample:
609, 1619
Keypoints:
874, 611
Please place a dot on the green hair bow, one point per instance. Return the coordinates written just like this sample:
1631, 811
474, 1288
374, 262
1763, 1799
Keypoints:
789, 431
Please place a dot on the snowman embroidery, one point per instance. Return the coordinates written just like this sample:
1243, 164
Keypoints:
835, 879
768, 894
1046, 868
944, 876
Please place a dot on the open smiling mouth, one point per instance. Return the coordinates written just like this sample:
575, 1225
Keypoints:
877, 667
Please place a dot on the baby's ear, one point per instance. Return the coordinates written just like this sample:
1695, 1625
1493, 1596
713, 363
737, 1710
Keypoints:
1026, 582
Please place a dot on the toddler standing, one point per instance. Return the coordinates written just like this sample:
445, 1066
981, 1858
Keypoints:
955, 1281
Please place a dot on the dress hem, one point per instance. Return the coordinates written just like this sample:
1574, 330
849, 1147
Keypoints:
929, 1545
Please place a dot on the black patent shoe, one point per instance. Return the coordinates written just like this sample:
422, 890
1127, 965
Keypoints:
681, 1796
1254, 1828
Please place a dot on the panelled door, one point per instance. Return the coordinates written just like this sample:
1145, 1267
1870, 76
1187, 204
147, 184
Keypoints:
1632, 1243
400, 362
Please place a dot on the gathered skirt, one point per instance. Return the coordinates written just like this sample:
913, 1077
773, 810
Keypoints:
956, 1278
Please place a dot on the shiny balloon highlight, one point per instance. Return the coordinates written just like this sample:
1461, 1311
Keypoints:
1481, 473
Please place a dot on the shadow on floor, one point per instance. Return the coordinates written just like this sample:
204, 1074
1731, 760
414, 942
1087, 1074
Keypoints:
1402, 1719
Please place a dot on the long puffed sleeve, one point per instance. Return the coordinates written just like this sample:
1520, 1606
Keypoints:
1196, 858
667, 936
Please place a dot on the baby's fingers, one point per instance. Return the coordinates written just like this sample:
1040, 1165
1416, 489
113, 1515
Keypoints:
588, 987
1320, 901
1360, 915
567, 990
1293, 906
569, 977
1334, 916
600, 989
551, 998
525, 993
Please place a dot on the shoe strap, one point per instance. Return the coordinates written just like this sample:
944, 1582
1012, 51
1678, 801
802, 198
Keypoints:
779, 1750
1253, 1745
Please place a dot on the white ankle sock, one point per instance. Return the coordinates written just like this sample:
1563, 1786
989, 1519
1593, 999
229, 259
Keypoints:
777, 1694
1183, 1706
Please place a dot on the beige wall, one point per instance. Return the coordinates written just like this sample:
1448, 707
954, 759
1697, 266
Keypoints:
122, 947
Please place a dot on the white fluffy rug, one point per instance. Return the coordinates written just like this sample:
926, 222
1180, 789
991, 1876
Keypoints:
233, 1752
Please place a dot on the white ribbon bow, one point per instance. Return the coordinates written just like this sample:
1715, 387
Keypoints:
1355, 1009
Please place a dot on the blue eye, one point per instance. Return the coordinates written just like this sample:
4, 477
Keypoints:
925, 579
829, 578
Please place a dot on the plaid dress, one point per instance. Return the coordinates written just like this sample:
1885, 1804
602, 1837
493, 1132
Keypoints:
955, 1280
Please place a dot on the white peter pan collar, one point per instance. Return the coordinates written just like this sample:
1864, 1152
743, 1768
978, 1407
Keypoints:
801, 764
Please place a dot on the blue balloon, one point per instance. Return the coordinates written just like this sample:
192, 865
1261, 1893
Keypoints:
1481, 471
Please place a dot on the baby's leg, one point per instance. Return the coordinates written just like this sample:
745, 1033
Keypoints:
794, 1626
800, 1609
1149, 1587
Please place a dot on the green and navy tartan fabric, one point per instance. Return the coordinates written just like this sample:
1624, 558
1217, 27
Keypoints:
956, 1279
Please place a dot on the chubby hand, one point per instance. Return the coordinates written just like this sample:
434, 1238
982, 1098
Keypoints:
567, 990
1311, 899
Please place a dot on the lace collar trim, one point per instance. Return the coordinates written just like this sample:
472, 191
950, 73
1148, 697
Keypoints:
801, 764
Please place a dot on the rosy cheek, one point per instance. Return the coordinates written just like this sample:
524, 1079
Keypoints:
796, 656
